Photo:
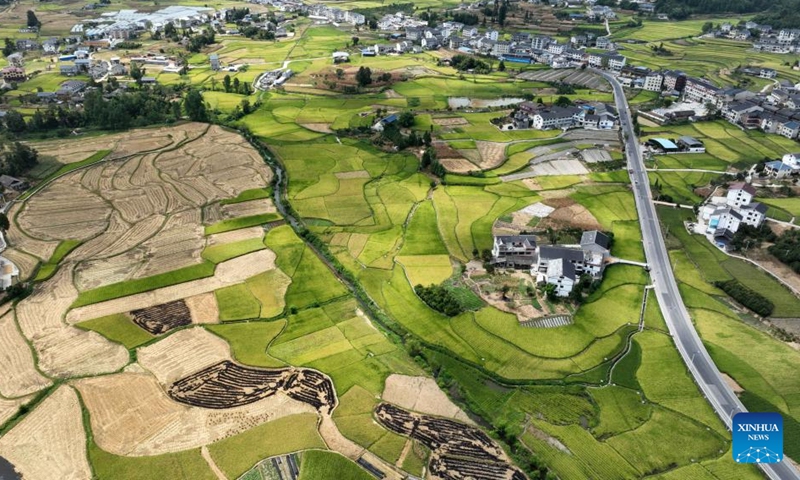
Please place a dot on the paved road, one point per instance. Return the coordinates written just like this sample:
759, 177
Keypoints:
694, 354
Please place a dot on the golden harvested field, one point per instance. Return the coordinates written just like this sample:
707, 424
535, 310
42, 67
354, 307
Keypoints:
20, 376
203, 308
50, 442
458, 165
183, 353
25, 262
121, 144
132, 415
228, 273
235, 235
64, 350
492, 154
140, 215
9, 407
423, 395
245, 209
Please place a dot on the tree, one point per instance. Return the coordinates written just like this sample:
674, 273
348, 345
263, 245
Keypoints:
137, 73
501, 14
9, 48
707, 27
32, 20
364, 76
236, 85
355, 41
245, 105
14, 122
563, 101
214, 83
406, 119
4, 223
195, 106
226, 83
502, 66
339, 73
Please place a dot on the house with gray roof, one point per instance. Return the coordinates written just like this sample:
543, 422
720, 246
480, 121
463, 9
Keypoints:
514, 251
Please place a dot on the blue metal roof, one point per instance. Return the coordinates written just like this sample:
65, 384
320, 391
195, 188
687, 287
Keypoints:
665, 143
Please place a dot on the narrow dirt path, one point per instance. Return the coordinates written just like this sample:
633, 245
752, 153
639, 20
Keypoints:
210, 461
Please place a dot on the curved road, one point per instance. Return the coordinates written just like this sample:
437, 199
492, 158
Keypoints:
694, 354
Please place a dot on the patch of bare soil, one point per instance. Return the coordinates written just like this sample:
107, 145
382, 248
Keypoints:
421, 394
737, 389
203, 308
353, 174
457, 165
532, 184
318, 127
569, 213
450, 121
769, 262
552, 441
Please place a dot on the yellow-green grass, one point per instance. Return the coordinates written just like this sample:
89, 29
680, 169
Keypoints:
608, 204
714, 265
421, 235
118, 328
343, 344
247, 195
416, 459
587, 458
680, 185
318, 465
762, 366
426, 269
223, 101
621, 410
665, 380
130, 287
235, 455
501, 351
786, 303
627, 240
312, 282
790, 205
249, 341
654, 30
643, 447
49, 268
236, 303
188, 464
241, 222
353, 416
226, 251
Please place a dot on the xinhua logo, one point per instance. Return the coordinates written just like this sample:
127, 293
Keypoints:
757, 437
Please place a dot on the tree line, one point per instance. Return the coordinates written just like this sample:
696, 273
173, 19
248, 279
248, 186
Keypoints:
681, 9
747, 297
